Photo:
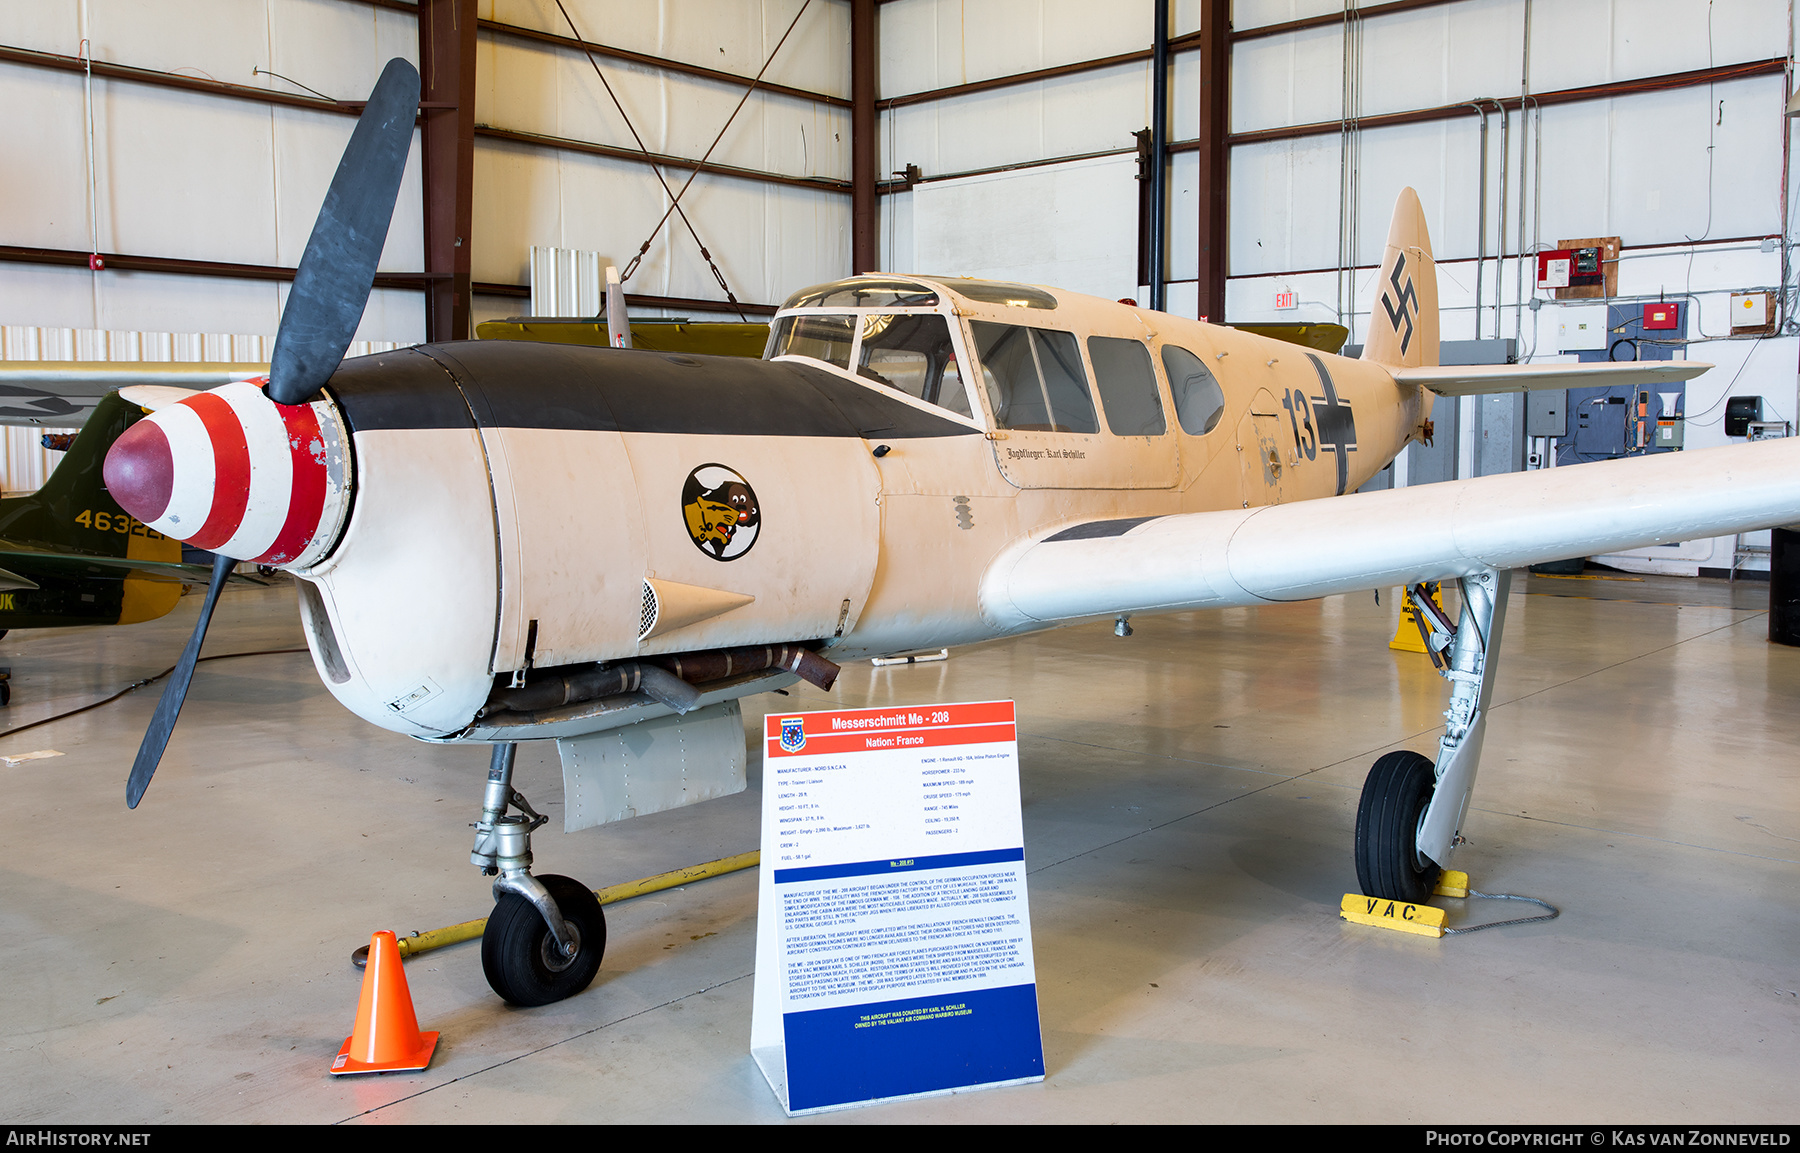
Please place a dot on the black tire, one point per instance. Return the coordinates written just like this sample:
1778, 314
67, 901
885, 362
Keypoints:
521, 958
1394, 797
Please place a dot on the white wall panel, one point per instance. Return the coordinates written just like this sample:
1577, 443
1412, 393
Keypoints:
307, 147
1070, 225
1292, 78
1571, 44
1441, 55
1258, 13
43, 184
1284, 205
183, 174
188, 175
533, 87
766, 239
728, 35
1638, 166
329, 45
928, 44
527, 196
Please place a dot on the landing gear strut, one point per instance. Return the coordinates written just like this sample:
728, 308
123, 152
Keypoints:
546, 935
1411, 814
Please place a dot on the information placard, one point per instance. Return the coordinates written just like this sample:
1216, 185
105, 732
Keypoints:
893, 938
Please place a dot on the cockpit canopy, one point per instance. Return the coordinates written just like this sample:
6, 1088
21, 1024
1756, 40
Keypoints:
908, 335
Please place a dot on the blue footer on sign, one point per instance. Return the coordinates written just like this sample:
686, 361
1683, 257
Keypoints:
917, 1045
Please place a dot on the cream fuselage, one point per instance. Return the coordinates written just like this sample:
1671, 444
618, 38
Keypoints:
513, 500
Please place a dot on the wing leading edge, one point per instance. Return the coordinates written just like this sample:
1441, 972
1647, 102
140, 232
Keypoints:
1342, 544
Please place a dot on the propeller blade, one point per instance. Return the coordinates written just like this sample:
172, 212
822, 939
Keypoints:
162, 722
337, 270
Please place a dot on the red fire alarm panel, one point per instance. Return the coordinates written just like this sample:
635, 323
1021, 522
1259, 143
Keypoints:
1662, 316
1554, 268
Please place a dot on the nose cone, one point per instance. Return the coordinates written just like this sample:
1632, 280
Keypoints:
140, 471
233, 472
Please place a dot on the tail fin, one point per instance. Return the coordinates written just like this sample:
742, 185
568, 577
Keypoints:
73, 511
1403, 321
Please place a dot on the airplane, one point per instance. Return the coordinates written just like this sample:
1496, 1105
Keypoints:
627, 542
69, 555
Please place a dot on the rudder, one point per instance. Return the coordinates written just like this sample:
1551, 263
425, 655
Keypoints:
1403, 320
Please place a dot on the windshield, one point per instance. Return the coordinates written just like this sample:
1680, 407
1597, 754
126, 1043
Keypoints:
909, 352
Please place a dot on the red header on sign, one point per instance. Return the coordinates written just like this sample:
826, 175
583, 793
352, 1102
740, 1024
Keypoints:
909, 726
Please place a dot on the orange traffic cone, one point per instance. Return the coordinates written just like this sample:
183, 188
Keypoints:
387, 1036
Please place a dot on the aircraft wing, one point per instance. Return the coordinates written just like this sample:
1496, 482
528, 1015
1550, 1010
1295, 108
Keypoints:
1316, 548
62, 393
1479, 379
71, 564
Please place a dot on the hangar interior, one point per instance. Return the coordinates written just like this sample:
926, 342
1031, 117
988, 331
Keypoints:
1190, 791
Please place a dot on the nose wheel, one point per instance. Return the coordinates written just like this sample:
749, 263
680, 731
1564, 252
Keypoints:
523, 960
545, 937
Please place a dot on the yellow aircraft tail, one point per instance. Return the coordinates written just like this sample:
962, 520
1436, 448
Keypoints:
1403, 321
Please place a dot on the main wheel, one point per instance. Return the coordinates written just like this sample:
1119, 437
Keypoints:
522, 960
1394, 798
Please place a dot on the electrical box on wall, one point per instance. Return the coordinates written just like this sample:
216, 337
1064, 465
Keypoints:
1593, 268
1582, 328
1553, 268
1750, 313
1662, 315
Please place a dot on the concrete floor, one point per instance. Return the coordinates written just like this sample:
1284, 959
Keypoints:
1189, 800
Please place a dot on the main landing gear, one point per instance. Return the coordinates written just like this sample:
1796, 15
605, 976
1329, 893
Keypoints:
546, 935
1411, 814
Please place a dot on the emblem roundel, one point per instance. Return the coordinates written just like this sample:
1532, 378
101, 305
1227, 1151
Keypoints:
720, 510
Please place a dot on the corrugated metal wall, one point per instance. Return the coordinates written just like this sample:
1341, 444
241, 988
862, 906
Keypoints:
196, 176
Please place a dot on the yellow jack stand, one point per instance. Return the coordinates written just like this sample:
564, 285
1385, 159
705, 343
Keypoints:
1424, 920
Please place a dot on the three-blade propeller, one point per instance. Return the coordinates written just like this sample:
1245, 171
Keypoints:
331, 288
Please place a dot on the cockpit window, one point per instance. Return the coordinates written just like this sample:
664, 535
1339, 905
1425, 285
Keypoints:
865, 292
913, 353
1127, 386
826, 338
1199, 402
1034, 378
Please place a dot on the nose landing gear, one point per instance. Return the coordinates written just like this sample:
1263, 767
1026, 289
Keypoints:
546, 935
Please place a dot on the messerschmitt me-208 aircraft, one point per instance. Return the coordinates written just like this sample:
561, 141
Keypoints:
625, 543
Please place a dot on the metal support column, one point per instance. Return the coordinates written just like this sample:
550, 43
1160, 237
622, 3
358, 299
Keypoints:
865, 255
1159, 158
1214, 153
447, 154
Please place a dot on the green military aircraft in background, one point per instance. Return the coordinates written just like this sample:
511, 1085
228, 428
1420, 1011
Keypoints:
69, 555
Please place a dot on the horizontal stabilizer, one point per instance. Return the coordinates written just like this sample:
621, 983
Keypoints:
1315, 548
1480, 379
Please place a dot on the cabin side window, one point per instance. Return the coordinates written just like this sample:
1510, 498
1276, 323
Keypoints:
1034, 378
1127, 385
826, 338
912, 353
1199, 402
